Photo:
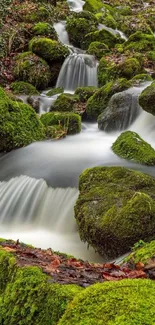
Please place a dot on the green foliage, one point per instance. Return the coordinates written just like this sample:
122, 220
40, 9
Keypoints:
44, 29
19, 124
30, 299
98, 49
7, 269
70, 122
32, 69
115, 209
93, 5
147, 99
24, 88
129, 145
48, 49
98, 102
129, 302
84, 93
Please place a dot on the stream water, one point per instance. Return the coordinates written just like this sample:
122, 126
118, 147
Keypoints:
39, 183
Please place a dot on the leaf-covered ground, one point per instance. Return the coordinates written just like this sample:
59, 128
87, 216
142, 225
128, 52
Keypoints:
67, 270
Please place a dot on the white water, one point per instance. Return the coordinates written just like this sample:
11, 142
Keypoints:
115, 32
60, 28
76, 5
78, 70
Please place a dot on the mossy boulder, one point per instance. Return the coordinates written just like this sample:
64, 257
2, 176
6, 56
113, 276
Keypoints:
31, 68
84, 93
126, 69
55, 132
93, 5
23, 88
98, 49
77, 28
49, 50
44, 29
142, 252
129, 145
140, 42
102, 36
102, 71
147, 99
99, 101
54, 91
115, 209
31, 299
120, 112
65, 103
113, 303
7, 269
19, 124
70, 122
142, 77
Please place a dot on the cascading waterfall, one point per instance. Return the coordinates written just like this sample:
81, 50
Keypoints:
78, 70
60, 28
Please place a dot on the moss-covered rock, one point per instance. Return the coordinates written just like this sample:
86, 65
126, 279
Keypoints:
70, 122
98, 49
140, 42
55, 91
115, 209
19, 124
31, 299
98, 102
44, 29
139, 78
56, 132
102, 36
143, 253
102, 71
49, 50
65, 103
23, 88
126, 69
84, 93
77, 28
32, 69
93, 5
129, 145
7, 269
113, 303
147, 99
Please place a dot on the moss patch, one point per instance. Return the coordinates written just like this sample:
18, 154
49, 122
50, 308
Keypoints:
24, 88
147, 99
70, 122
142, 254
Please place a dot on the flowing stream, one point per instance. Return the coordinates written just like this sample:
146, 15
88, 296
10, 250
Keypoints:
39, 183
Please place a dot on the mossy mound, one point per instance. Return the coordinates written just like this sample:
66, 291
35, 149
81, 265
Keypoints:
77, 28
147, 99
24, 88
49, 50
102, 36
142, 254
98, 102
7, 269
31, 299
44, 29
102, 71
140, 42
127, 69
32, 69
84, 93
142, 77
56, 132
65, 103
19, 124
55, 91
98, 49
115, 209
70, 122
113, 303
93, 5
129, 145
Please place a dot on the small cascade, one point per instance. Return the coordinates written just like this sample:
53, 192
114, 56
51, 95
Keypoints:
46, 103
115, 32
60, 28
76, 5
42, 216
78, 70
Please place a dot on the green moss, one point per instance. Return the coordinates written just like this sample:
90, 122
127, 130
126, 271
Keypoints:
147, 99
30, 299
38, 14
140, 42
48, 49
129, 302
77, 28
102, 71
65, 103
19, 125
98, 49
142, 254
55, 132
55, 91
129, 145
126, 69
98, 102
24, 88
7, 268
93, 5
115, 209
70, 122
44, 29
141, 78
32, 69
102, 36
85, 93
